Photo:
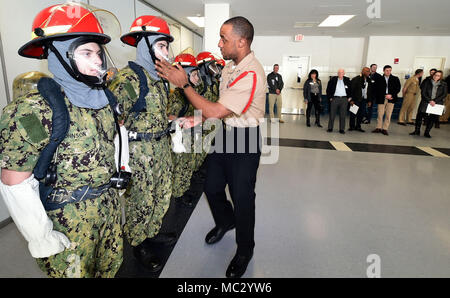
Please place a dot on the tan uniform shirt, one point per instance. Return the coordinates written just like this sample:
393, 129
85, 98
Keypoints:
236, 92
412, 86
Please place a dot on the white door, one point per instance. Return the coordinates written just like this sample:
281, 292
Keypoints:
426, 63
292, 67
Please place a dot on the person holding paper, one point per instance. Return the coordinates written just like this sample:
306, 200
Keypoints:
361, 92
433, 92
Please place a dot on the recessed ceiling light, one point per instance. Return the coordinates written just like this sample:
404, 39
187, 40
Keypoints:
335, 20
198, 21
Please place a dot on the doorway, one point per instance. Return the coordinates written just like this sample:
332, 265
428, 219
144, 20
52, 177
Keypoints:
294, 67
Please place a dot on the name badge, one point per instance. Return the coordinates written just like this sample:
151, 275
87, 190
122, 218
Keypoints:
346, 87
311, 83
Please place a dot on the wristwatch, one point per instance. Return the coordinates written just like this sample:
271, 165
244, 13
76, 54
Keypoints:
186, 85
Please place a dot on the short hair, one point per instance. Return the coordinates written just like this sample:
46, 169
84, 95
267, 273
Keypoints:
442, 73
434, 69
386, 66
372, 65
418, 71
242, 27
275, 65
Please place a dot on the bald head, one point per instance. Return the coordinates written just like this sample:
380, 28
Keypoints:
365, 72
341, 73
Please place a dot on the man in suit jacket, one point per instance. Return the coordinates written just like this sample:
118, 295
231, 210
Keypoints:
362, 92
275, 84
388, 87
374, 78
339, 95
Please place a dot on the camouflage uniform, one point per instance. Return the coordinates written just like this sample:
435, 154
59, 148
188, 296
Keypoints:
183, 163
148, 197
211, 94
84, 157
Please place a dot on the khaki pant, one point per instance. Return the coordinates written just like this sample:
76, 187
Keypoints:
446, 115
275, 98
387, 109
408, 106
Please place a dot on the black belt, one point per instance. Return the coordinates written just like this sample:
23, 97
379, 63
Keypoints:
147, 136
339, 96
58, 198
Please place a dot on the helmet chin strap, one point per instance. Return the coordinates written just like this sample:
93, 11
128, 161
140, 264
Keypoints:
71, 72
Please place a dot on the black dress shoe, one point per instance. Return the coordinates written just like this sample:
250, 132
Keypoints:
411, 123
163, 238
146, 258
376, 130
186, 200
401, 123
329, 130
385, 132
238, 265
360, 129
351, 129
216, 234
415, 133
426, 135
342, 132
318, 125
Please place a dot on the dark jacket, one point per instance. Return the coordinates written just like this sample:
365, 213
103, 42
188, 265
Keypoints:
425, 80
331, 87
447, 81
358, 85
307, 89
274, 81
394, 87
427, 89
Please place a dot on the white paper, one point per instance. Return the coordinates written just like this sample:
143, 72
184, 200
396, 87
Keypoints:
354, 109
436, 110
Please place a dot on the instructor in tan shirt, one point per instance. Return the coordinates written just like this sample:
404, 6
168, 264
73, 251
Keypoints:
241, 105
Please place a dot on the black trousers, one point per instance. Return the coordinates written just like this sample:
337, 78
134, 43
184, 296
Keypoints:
238, 171
430, 119
315, 101
369, 112
359, 115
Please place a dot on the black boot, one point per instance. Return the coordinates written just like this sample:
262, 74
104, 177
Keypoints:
146, 258
308, 123
318, 120
163, 238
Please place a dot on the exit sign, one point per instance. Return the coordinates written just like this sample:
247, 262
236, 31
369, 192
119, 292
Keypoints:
299, 37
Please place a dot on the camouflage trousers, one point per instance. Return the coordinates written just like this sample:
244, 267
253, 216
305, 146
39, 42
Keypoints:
148, 197
207, 139
94, 229
183, 167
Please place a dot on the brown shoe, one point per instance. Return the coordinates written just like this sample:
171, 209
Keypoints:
384, 132
376, 130
281, 121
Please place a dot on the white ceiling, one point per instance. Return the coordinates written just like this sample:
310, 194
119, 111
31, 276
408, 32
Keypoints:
278, 17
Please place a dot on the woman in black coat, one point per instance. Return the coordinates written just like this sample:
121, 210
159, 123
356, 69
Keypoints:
312, 92
433, 92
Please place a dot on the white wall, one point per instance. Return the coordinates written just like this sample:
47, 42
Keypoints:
328, 53
383, 49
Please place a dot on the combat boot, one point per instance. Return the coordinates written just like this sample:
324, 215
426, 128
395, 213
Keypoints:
146, 258
163, 238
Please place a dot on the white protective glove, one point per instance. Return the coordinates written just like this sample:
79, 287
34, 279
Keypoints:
125, 149
177, 139
26, 209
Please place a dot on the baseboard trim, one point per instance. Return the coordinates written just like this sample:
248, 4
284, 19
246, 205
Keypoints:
5, 222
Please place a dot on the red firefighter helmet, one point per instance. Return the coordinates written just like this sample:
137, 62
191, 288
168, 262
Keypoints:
146, 25
61, 21
186, 60
220, 62
204, 57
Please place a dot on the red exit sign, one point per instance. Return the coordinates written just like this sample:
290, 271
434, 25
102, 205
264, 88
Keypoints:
299, 37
